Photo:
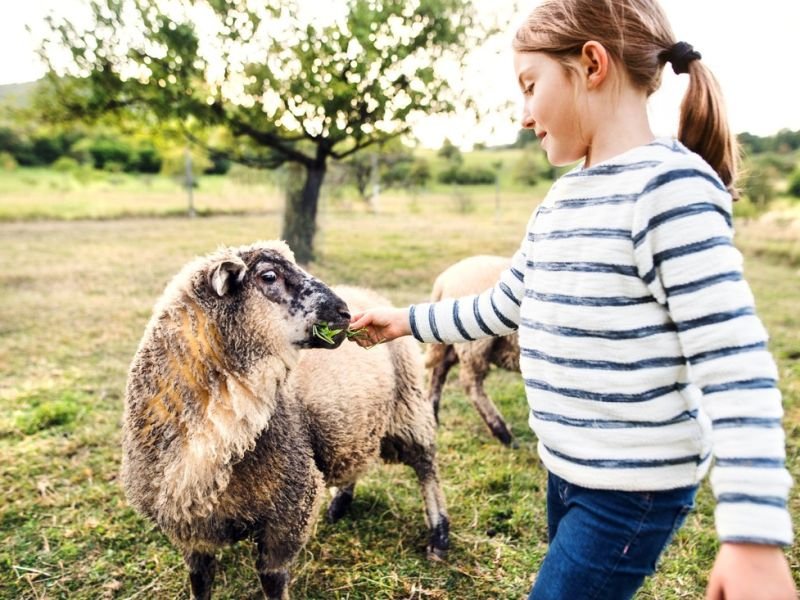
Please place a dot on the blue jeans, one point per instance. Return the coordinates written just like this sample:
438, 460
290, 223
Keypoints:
604, 543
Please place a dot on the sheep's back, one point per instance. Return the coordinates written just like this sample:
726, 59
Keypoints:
471, 275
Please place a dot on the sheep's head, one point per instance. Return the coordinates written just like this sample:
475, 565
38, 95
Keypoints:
261, 300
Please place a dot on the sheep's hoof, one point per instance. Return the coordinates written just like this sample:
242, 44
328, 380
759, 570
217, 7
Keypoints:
436, 554
439, 541
502, 433
339, 505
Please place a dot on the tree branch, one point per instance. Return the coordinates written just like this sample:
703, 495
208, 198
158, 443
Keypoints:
263, 137
369, 142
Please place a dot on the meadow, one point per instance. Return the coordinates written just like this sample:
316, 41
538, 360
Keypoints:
81, 264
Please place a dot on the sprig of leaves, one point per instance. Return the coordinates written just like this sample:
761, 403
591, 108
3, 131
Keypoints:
324, 332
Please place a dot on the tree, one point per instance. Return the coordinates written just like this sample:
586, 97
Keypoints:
285, 86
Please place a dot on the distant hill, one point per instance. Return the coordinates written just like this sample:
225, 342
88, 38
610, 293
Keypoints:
17, 94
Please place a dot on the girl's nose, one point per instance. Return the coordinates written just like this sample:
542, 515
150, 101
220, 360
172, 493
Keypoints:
528, 121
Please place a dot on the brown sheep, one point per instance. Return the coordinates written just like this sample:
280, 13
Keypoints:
472, 275
217, 443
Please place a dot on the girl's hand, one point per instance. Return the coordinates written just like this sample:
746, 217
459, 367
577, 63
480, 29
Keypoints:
750, 572
380, 325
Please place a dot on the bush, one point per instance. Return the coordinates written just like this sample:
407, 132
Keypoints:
107, 150
220, 164
66, 164
794, 184
7, 161
462, 175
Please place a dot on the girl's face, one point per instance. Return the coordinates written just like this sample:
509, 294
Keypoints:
552, 106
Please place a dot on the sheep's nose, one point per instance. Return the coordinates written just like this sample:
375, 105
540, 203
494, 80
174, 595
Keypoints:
344, 312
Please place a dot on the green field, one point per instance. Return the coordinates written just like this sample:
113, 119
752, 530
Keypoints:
77, 283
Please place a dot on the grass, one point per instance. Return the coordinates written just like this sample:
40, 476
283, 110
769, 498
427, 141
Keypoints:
74, 298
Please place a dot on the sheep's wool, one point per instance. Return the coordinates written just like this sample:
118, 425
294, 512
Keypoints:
642, 355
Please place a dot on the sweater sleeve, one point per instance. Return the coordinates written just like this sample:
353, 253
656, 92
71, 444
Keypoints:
494, 312
682, 236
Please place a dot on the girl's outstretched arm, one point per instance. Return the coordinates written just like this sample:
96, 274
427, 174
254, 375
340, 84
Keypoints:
380, 325
750, 572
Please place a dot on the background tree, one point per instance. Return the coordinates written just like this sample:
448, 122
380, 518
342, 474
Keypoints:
286, 86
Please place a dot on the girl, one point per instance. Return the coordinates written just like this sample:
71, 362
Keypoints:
643, 359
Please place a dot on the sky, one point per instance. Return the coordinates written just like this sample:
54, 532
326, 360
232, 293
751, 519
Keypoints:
749, 45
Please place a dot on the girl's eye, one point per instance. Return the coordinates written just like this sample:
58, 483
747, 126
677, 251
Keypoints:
269, 276
528, 90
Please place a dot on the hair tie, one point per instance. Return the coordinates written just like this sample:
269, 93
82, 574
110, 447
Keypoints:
680, 55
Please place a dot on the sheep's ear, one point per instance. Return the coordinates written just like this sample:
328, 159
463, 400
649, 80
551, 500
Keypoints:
227, 273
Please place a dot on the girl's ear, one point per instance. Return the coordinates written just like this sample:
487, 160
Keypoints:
594, 64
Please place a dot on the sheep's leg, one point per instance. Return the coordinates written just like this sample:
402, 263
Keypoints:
341, 502
423, 460
435, 509
444, 361
472, 376
272, 564
202, 568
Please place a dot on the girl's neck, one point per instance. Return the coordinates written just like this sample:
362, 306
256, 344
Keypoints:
621, 124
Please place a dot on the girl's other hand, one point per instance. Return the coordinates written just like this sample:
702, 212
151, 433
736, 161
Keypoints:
380, 325
750, 572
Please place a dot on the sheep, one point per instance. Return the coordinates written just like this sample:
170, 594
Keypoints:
472, 275
220, 442
364, 404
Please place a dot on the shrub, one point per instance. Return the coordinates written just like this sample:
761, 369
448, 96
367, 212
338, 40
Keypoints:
7, 161
794, 184
66, 164
463, 175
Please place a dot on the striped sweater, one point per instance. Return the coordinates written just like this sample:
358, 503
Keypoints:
643, 359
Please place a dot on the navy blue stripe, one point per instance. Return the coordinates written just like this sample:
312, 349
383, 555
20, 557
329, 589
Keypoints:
500, 316
459, 325
628, 463
759, 383
661, 257
699, 284
412, 319
714, 318
563, 234
589, 300
507, 291
644, 396
518, 275
759, 462
607, 365
679, 213
584, 267
612, 424
676, 174
712, 354
612, 169
665, 255
609, 334
732, 498
484, 327
736, 422
584, 202
432, 321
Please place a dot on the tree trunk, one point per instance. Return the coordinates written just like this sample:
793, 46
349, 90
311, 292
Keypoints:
300, 214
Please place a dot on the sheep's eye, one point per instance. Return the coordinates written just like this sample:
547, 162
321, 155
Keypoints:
269, 276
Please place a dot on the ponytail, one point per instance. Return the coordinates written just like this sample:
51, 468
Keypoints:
704, 128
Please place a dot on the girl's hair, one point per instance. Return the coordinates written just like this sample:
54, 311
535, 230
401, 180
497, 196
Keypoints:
637, 35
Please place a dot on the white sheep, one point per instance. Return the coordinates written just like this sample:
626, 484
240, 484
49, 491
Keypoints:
472, 275
225, 433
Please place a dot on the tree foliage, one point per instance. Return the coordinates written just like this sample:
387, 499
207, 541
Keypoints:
270, 82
